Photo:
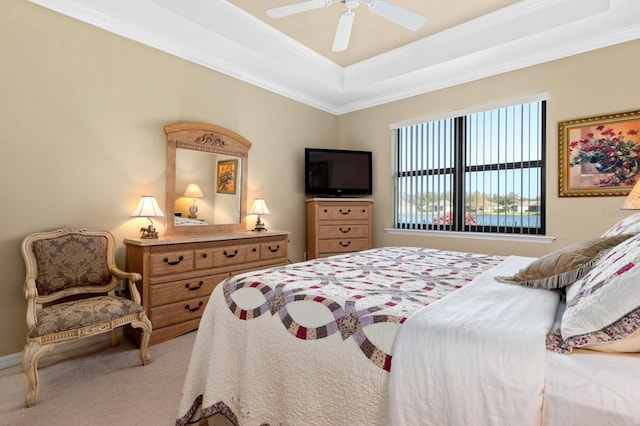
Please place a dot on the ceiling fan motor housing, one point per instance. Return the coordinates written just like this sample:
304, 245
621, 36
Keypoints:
352, 4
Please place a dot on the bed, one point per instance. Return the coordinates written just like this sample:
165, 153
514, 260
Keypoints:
417, 336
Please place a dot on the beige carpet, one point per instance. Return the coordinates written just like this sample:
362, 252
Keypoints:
100, 385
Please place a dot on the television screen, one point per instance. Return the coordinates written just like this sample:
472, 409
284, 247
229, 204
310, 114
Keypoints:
337, 172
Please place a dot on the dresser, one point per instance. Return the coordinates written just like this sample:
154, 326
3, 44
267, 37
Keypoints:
337, 225
180, 272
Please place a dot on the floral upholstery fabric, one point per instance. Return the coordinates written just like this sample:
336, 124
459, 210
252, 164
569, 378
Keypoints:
70, 261
81, 313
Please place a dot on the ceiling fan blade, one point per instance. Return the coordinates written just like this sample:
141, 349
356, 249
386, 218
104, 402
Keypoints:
343, 32
291, 9
397, 14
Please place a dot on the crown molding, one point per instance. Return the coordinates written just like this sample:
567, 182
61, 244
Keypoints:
218, 35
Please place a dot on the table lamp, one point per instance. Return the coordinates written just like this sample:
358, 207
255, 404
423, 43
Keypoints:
193, 191
148, 207
259, 207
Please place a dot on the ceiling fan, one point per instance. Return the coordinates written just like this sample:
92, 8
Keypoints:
390, 11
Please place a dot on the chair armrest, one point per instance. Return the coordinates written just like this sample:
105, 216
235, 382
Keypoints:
30, 290
31, 293
131, 278
122, 275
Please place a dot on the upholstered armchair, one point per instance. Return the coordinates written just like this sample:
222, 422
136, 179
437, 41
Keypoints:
70, 284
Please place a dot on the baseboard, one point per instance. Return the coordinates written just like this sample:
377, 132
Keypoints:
10, 360
63, 350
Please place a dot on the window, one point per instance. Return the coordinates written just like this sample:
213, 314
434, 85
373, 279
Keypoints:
481, 172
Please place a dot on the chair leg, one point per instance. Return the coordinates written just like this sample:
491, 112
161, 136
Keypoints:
114, 337
145, 325
32, 352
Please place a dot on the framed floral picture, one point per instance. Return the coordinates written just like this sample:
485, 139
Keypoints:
599, 156
227, 177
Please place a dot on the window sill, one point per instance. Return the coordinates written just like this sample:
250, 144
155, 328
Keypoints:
542, 239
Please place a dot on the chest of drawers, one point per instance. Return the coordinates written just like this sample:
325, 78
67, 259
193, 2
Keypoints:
337, 225
179, 273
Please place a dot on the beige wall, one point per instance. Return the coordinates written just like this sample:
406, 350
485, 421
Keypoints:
81, 120
81, 129
595, 83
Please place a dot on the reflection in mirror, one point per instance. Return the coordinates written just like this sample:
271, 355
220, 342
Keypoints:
216, 176
216, 160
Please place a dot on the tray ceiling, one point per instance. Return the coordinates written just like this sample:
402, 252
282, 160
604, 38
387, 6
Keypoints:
462, 40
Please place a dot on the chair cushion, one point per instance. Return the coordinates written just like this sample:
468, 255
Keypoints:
70, 261
82, 313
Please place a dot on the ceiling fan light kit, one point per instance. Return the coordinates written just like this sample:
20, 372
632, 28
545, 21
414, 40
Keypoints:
392, 12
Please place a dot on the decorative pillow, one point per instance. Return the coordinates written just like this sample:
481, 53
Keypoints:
603, 307
564, 266
628, 225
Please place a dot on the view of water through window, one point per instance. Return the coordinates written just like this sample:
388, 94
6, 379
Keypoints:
479, 172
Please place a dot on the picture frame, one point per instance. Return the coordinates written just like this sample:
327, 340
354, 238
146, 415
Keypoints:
599, 156
227, 176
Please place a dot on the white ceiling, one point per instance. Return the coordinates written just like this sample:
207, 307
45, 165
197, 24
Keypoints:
462, 40
371, 34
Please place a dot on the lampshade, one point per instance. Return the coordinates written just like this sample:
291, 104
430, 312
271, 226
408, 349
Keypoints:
147, 207
259, 207
633, 199
193, 191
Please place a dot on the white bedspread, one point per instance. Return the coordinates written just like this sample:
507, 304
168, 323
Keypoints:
591, 388
476, 357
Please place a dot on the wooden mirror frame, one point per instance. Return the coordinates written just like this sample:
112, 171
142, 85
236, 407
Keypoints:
206, 138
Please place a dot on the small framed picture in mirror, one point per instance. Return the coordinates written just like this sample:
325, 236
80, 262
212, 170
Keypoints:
227, 176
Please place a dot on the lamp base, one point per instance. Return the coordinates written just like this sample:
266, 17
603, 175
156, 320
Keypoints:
259, 226
149, 232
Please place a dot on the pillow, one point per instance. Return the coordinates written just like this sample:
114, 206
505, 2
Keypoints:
603, 307
564, 266
628, 225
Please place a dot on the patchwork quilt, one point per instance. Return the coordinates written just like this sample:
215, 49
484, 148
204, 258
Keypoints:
312, 342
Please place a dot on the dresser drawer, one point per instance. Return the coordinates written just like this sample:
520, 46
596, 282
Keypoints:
343, 231
343, 245
272, 250
173, 313
161, 294
230, 255
253, 253
348, 212
203, 258
171, 262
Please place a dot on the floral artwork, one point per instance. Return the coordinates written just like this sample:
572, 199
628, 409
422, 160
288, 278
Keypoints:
618, 159
227, 176
600, 155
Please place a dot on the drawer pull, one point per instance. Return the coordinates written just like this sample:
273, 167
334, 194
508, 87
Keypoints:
254, 249
193, 309
230, 255
166, 260
345, 230
204, 255
188, 286
347, 244
275, 249
345, 212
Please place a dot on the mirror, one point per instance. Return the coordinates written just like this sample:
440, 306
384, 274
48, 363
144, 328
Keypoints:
206, 183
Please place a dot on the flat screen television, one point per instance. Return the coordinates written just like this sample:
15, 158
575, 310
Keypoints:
337, 172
